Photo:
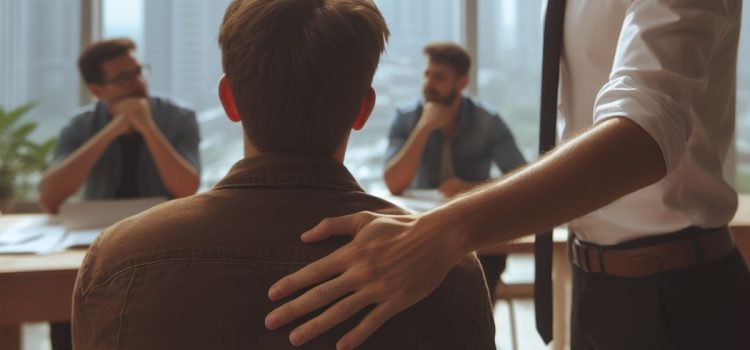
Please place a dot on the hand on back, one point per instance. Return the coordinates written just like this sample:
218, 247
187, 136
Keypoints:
389, 264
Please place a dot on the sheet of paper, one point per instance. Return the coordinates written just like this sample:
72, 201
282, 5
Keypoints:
18, 229
33, 236
102, 213
80, 238
431, 195
416, 201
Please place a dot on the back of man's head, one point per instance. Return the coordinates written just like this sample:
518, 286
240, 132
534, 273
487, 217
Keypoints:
93, 56
449, 54
300, 69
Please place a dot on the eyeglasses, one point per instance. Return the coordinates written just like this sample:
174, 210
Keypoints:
127, 77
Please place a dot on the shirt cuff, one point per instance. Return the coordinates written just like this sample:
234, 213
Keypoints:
668, 123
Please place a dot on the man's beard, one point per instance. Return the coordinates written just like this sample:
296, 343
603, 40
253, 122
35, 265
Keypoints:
433, 96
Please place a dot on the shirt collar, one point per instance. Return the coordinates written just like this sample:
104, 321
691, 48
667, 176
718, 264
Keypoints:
289, 170
464, 114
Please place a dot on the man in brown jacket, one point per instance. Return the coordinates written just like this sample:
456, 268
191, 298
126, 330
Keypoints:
193, 273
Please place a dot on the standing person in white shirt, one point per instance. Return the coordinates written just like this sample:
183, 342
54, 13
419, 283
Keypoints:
648, 97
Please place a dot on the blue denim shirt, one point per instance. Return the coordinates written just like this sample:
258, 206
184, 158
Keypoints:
481, 138
178, 125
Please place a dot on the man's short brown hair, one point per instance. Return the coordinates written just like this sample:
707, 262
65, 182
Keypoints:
450, 54
300, 69
93, 56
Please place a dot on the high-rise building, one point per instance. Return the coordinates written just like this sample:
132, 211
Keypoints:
39, 45
180, 44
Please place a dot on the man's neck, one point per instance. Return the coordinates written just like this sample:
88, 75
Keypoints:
251, 151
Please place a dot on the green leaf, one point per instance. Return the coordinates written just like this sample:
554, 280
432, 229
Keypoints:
19, 156
23, 131
7, 120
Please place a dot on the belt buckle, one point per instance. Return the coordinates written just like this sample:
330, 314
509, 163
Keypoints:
581, 255
585, 261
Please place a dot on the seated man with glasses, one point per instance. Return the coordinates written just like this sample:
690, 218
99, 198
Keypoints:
125, 145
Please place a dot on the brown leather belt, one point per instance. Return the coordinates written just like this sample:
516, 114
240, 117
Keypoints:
643, 261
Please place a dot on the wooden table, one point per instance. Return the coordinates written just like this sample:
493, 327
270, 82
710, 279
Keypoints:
37, 288
34, 288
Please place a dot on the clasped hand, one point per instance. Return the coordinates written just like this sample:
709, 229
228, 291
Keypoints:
132, 114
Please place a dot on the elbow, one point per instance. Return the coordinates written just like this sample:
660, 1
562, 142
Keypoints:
187, 189
395, 189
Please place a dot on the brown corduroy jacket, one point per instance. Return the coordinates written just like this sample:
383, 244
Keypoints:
194, 273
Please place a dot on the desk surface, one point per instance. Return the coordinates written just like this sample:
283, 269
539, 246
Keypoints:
18, 263
71, 259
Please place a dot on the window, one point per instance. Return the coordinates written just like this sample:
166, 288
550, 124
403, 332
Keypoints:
178, 39
743, 106
39, 46
40, 41
509, 65
398, 80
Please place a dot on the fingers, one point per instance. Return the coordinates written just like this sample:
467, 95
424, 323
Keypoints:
312, 300
309, 275
338, 226
371, 323
334, 315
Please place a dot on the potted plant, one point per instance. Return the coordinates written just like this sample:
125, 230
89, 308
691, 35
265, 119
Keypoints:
19, 156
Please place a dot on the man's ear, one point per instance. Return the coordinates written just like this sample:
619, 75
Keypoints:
365, 109
227, 100
95, 90
463, 82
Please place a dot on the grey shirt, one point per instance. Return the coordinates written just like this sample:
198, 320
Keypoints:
178, 125
481, 138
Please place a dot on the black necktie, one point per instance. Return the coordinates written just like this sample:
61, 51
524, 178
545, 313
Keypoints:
553, 29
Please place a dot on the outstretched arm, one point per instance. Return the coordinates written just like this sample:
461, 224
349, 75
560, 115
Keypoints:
395, 261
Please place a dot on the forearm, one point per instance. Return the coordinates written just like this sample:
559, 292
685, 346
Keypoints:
611, 160
178, 175
401, 169
65, 178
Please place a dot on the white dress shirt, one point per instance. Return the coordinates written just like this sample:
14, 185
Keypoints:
669, 66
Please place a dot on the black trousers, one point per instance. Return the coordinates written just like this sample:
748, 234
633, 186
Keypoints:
702, 307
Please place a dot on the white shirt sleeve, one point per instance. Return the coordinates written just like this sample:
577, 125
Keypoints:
663, 55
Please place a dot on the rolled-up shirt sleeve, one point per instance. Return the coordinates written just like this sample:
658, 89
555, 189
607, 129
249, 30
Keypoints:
662, 61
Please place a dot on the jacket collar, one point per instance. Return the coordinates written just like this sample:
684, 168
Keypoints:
289, 170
